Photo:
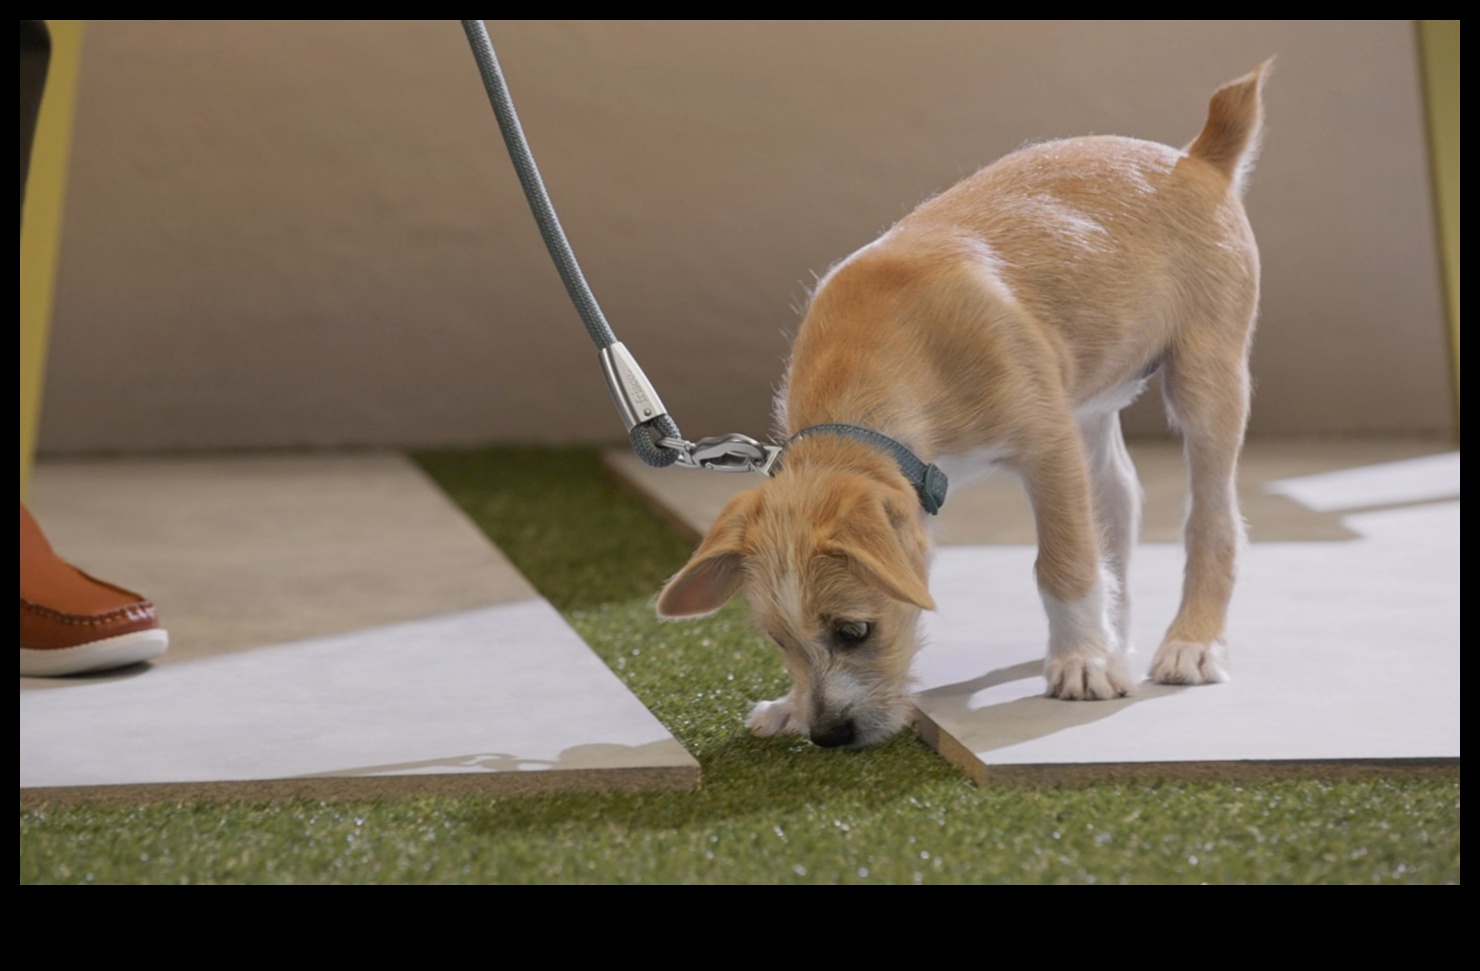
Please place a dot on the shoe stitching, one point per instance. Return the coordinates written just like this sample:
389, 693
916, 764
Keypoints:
133, 612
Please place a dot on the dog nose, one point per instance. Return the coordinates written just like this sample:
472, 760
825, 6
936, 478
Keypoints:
840, 733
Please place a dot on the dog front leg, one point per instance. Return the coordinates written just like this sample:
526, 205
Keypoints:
1085, 661
780, 717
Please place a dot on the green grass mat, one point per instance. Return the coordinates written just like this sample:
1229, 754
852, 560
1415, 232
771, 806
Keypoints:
769, 811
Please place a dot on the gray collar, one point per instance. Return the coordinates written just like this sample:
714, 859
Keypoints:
929, 481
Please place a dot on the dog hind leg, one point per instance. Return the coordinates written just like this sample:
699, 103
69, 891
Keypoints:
1117, 503
1208, 397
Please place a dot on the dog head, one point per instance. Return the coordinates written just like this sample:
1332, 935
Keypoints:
832, 556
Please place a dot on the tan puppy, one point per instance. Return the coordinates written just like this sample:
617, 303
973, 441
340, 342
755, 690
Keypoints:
1004, 323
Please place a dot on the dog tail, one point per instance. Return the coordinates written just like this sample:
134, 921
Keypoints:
1230, 139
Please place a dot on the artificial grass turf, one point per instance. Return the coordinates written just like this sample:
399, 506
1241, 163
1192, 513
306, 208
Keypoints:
769, 810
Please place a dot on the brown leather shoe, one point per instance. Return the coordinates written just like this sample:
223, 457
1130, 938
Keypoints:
71, 622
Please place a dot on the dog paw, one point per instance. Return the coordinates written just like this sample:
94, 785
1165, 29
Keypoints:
1183, 662
777, 717
1094, 678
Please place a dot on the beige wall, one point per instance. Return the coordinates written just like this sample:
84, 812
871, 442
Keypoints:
286, 233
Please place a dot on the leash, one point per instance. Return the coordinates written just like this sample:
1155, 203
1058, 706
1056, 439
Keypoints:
654, 434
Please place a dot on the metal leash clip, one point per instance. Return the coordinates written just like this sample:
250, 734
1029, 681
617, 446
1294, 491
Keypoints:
724, 453
638, 404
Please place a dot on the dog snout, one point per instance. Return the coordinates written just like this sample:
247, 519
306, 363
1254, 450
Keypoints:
835, 735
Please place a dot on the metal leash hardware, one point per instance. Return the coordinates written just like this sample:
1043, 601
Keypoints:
638, 403
636, 399
654, 435
725, 453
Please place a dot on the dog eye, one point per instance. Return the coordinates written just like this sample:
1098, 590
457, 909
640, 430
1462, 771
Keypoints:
850, 633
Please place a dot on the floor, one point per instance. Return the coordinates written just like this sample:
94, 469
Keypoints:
338, 629
1344, 631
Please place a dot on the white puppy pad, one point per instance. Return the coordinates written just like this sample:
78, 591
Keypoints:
1341, 651
338, 629
444, 705
1412, 480
1343, 637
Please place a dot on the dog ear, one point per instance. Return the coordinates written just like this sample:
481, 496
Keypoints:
714, 573
876, 551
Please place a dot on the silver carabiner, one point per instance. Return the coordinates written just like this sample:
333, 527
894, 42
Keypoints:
724, 453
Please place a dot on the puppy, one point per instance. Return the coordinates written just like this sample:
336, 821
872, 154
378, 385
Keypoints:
1004, 323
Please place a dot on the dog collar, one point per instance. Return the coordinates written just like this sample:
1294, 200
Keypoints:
928, 480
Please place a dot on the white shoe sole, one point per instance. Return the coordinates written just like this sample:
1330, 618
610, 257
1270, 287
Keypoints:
115, 652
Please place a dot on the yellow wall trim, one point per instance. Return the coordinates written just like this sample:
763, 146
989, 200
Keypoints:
41, 234
1439, 51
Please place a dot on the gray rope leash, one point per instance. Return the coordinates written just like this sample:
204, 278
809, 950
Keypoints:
648, 424
655, 436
